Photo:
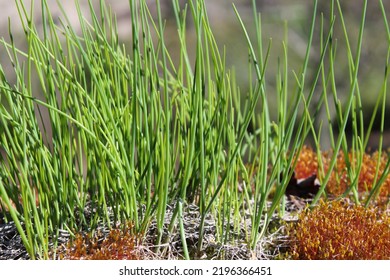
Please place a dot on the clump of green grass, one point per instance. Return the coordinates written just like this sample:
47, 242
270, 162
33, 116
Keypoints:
130, 131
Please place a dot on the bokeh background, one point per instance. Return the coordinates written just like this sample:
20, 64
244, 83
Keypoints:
281, 20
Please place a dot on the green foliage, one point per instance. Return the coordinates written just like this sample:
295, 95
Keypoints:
130, 131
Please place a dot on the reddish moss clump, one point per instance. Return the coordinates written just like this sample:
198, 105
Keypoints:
307, 164
366, 174
338, 230
118, 245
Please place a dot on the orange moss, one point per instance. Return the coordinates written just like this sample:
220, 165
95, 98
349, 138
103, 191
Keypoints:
307, 164
337, 230
118, 245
